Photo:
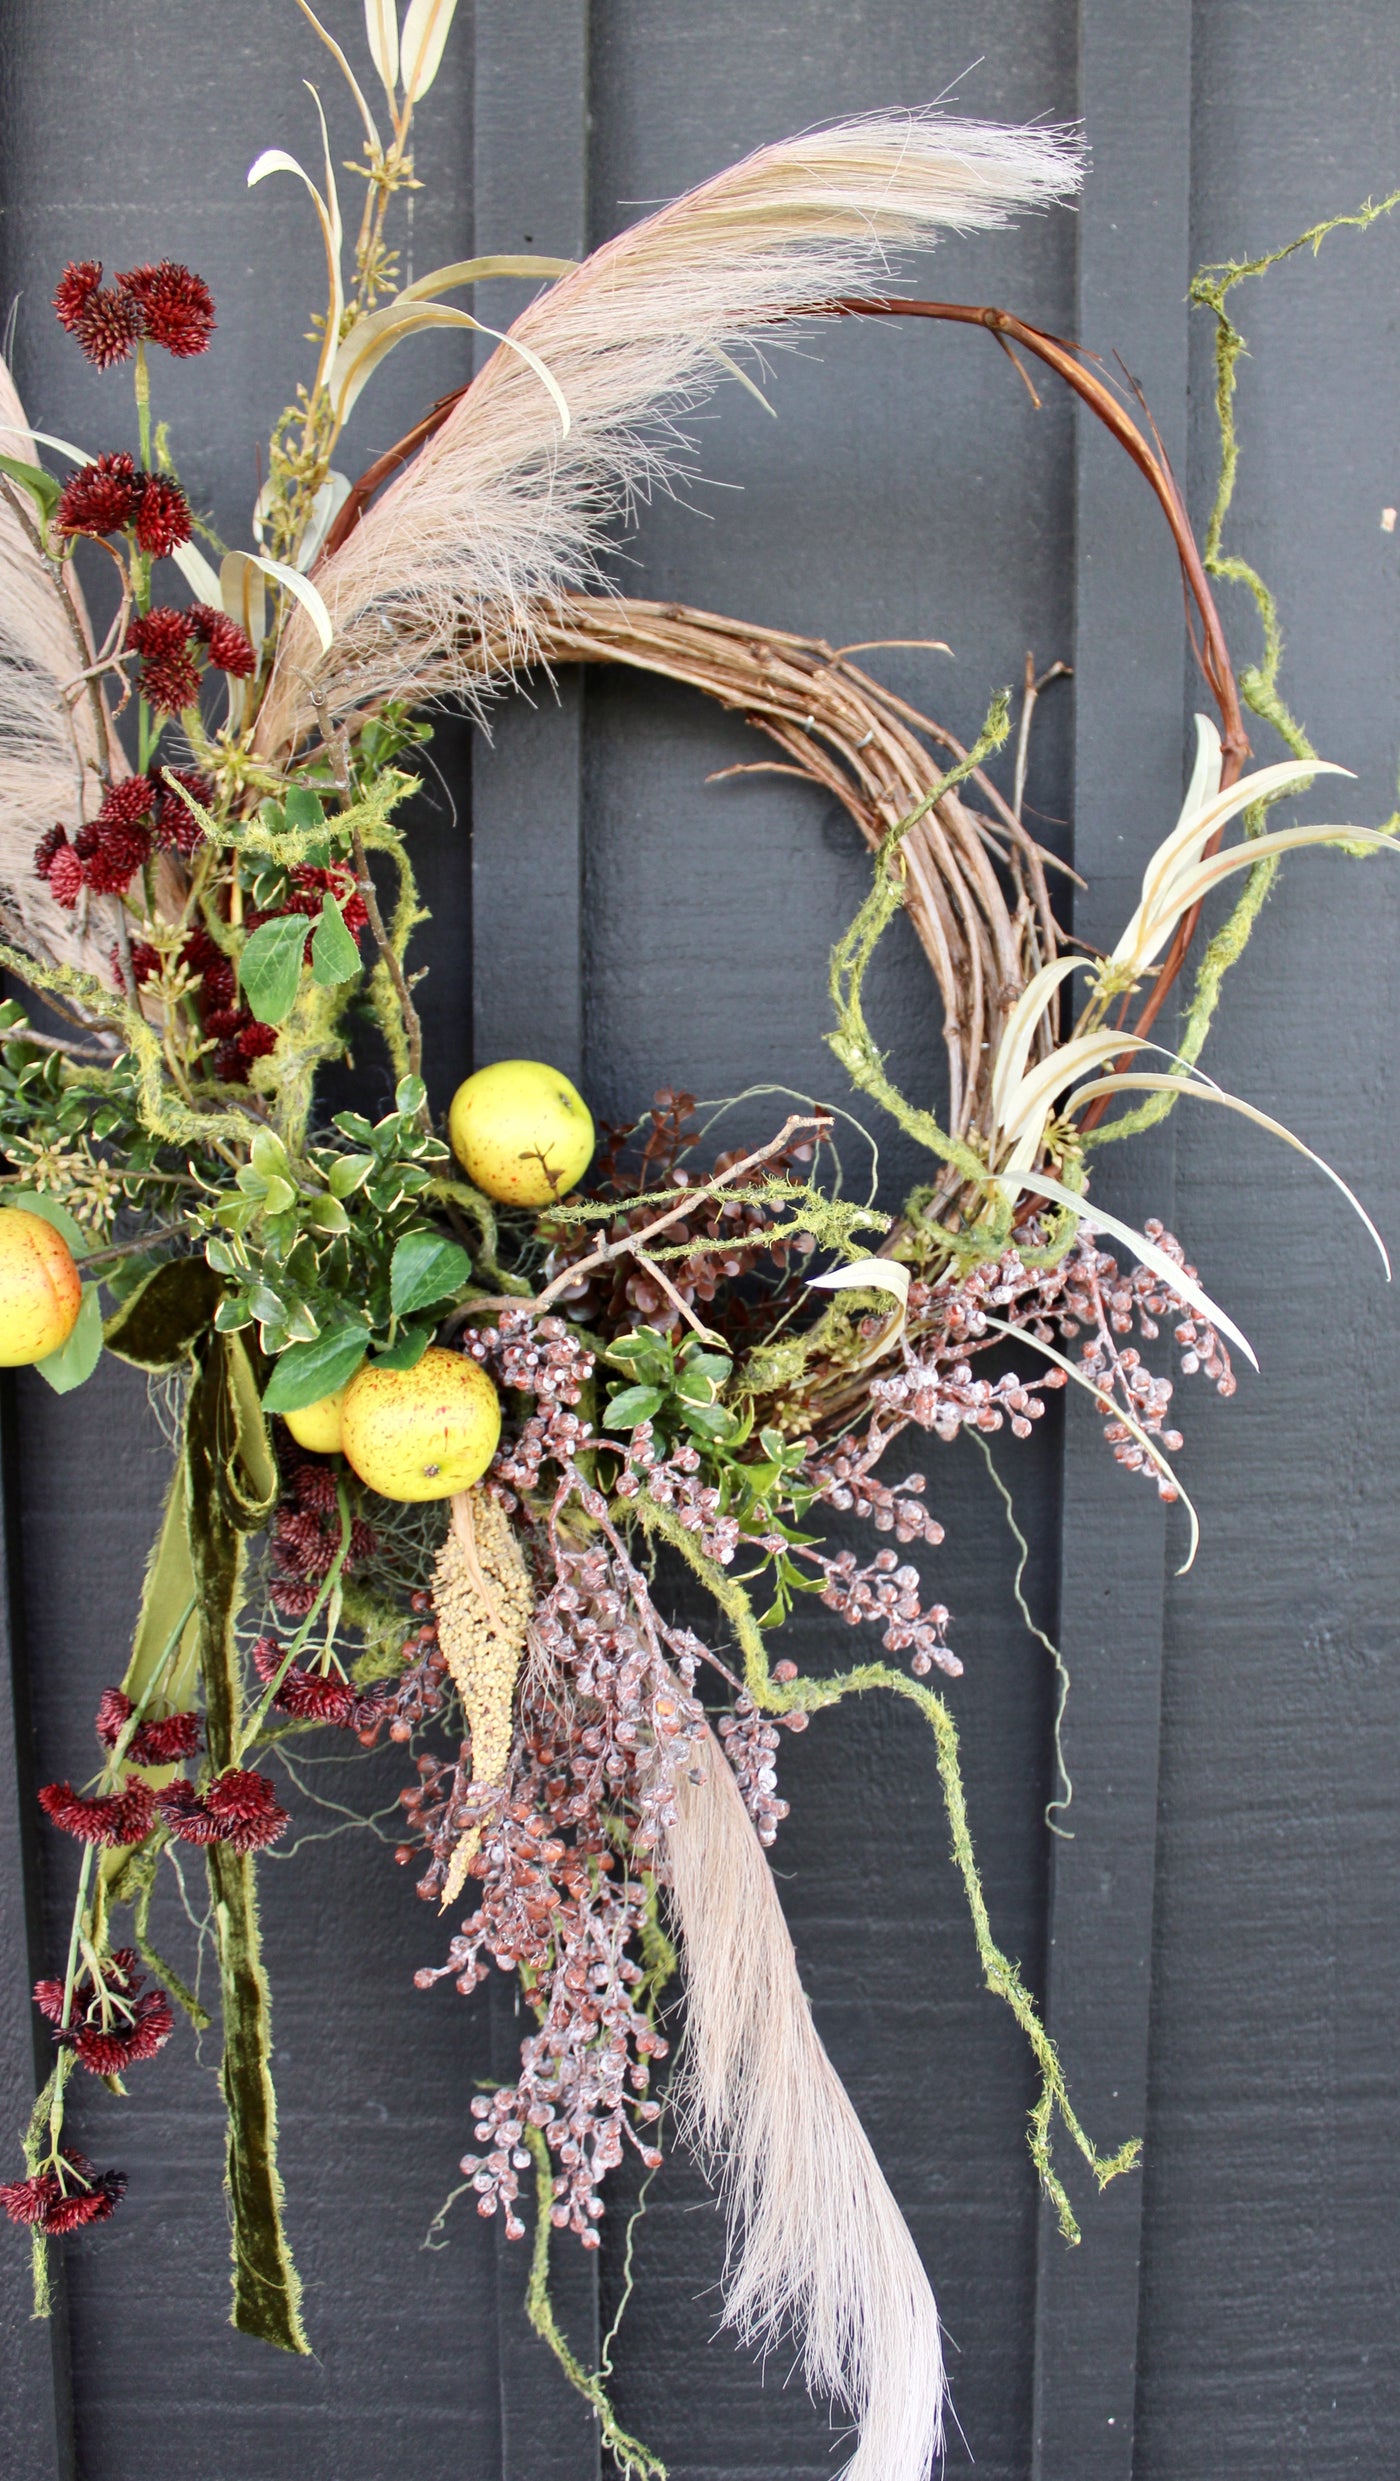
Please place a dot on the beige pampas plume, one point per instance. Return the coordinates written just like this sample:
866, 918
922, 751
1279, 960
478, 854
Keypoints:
818, 2248
504, 508
483, 1601
50, 743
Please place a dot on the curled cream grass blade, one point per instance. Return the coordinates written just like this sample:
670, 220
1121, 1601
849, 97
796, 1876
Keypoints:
1162, 901
1141, 1082
276, 159
870, 1275
371, 339
330, 498
1029, 1106
196, 571
347, 72
1096, 1219
479, 271
1019, 1031
1188, 890
242, 594
382, 36
425, 32
306, 594
46, 439
866, 1275
1110, 1404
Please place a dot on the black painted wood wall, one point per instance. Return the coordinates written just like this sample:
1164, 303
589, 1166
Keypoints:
1217, 1944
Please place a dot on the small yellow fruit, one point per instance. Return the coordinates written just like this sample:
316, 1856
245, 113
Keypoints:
521, 1132
421, 1433
41, 1291
317, 1425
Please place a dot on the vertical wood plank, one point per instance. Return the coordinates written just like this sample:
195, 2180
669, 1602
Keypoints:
34, 2368
1134, 262
531, 156
531, 194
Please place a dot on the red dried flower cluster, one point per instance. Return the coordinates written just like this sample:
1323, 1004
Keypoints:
239, 1807
63, 2199
321, 1696
306, 1536
164, 638
113, 2024
164, 305
107, 1818
114, 494
138, 816
162, 1743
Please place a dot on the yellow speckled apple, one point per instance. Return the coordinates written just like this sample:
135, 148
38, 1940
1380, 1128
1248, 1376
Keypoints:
521, 1132
41, 1291
317, 1425
421, 1433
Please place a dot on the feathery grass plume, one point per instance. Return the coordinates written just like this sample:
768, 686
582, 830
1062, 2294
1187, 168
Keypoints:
504, 508
483, 1600
50, 745
818, 2247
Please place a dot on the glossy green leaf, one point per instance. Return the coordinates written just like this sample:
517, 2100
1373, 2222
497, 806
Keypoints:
334, 955
406, 1351
306, 1372
48, 1210
42, 488
269, 969
425, 1268
78, 1358
634, 1404
348, 1173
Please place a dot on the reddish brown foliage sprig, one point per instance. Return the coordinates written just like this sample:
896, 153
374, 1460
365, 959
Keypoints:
623, 1295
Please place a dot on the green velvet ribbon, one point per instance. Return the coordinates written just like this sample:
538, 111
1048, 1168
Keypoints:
223, 1488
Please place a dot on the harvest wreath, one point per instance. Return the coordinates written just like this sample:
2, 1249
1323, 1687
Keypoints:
462, 1387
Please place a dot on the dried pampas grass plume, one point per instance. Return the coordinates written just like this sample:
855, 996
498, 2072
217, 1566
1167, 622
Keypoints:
484, 1602
818, 2248
51, 746
503, 510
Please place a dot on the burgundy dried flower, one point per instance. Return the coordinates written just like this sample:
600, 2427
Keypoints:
105, 323
240, 1808
255, 1041
111, 851
318, 1696
199, 955
310, 885
169, 673
76, 286
160, 1743
102, 498
48, 2202
175, 307
112, 1818
53, 842
228, 647
183, 1812
65, 877
162, 516
113, 2024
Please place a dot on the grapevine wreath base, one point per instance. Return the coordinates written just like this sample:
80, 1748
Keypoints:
450, 1412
